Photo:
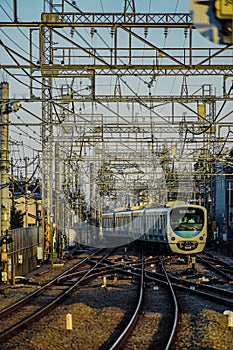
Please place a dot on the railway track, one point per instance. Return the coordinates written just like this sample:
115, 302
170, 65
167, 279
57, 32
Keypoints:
24, 312
145, 330
217, 265
132, 335
178, 285
125, 333
148, 319
202, 304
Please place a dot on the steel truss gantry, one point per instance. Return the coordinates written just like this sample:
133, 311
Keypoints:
128, 50
192, 60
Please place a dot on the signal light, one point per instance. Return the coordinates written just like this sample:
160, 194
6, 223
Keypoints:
5, 240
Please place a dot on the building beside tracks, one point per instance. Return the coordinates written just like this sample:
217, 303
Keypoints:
224, 199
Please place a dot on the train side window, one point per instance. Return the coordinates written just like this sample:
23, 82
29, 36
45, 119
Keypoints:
135, 222
157, 223
140, 223
149, 222
156, 218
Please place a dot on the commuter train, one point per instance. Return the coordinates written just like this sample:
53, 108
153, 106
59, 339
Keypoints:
178, 228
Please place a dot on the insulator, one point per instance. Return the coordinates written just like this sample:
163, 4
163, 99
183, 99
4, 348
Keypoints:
72, 32
93, 31
185, 32
112, 31
145, 32
165, 32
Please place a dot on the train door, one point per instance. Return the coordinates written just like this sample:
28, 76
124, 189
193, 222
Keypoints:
137, 224
143, 222
148, 225
162, 230
152, 226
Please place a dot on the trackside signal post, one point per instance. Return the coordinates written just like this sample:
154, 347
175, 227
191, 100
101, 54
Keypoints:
4, 167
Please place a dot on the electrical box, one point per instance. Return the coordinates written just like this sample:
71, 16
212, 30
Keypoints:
39, 253
20, 259
4, 276
50, 17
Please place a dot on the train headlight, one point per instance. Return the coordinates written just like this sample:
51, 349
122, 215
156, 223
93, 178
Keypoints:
201, 238
173, 238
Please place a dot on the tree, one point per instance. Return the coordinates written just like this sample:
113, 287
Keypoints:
105, 181
16, 220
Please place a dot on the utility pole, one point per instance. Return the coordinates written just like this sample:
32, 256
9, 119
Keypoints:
15, 11
57, 204
46, 57
4, 158
26, 192
4, 167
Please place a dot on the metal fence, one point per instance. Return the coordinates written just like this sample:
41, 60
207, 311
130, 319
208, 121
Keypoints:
25, 250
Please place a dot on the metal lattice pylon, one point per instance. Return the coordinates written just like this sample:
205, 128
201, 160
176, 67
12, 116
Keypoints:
47, 134
129, 6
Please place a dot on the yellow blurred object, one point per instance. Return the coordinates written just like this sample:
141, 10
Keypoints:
224, 9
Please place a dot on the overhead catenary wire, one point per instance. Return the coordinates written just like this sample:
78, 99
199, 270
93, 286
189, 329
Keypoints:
115, 73
19, 29
215, 118
101, 59
121, 77
22, 132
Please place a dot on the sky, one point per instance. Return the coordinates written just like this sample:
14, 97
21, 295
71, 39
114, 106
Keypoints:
17, 39
29, 11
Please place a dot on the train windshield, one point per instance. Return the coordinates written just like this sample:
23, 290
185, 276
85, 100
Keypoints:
187, 222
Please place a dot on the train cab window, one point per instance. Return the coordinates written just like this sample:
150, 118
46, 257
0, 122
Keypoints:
187, 219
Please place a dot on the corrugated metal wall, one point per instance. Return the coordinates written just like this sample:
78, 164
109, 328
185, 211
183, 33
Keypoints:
23, 250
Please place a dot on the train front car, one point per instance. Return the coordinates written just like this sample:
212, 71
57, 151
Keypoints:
187, 229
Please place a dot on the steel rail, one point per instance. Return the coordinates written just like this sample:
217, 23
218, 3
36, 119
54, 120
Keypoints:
216, 269
129, 328
44, 310
193, 288
176, 309
8, 310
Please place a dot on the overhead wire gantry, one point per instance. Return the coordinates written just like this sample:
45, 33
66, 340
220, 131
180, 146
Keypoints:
92, 60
